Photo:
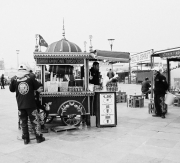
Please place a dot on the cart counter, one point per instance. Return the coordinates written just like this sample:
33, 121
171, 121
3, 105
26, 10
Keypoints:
67, 103
66, 94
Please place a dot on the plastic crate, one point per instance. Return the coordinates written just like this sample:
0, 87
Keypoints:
176, 101
121, 98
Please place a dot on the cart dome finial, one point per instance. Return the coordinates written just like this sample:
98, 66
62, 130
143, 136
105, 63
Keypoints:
63, 45
63, 34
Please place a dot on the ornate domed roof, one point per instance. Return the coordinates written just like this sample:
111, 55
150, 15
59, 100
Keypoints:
63, 45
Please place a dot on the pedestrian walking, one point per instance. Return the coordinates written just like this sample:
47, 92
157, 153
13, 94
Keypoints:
160, 88
2, 81
110, 74
145, 87
24, 85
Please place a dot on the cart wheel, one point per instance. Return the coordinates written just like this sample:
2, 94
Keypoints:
71, 120
49, 119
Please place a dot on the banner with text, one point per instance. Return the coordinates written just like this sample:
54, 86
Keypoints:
142, 57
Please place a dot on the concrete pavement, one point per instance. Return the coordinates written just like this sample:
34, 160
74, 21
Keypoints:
138, 137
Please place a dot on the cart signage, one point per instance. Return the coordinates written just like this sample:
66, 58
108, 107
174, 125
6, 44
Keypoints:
142, 57
171, 54
71, 107
52, 61
107, 109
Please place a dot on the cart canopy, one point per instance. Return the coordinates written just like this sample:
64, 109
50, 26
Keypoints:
112, 56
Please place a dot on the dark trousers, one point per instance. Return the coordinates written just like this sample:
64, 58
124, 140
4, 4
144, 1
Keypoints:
2, 84
32, 114
146, 93
42, 114
160, 106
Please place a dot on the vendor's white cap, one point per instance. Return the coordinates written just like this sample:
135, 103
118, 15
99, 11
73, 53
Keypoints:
22, 67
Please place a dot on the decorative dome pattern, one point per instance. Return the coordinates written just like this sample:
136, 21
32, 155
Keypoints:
63, 46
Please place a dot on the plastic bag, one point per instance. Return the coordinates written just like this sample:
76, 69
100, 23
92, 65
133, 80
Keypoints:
169, 99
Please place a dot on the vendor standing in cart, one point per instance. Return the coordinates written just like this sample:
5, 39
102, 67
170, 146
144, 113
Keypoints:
94, 74
94, 79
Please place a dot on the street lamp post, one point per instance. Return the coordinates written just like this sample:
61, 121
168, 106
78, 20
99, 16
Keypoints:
111, 42
85, 46
17, 52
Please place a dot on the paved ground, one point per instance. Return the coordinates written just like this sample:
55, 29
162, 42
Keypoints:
138, 138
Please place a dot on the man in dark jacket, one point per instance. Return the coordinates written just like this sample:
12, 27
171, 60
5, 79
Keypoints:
160, 88
24, 85
110, 74
145, 87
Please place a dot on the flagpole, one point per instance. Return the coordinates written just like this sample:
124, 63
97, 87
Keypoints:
36, 46
39, 45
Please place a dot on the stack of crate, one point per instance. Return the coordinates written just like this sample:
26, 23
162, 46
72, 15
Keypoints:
151, 106
121, 97
135, 101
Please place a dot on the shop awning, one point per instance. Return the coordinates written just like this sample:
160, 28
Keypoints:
80, 55
168, 53
112, 56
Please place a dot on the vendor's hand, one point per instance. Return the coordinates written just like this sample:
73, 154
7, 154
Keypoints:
40, 89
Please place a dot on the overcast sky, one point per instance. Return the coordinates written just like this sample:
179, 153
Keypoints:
136, 25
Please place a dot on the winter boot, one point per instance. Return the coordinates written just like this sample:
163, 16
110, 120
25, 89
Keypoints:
40, 138
26, 139
163, 115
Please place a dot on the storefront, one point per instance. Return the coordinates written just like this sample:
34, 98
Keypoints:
170, 55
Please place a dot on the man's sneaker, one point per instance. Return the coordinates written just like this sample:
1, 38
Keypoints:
156, 115
163, 116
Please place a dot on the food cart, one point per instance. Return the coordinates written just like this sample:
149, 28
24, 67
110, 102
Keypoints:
67, 102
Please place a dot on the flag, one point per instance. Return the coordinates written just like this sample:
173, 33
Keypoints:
42, 42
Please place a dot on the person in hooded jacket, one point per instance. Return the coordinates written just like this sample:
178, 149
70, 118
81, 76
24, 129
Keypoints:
160, 88
24, 85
